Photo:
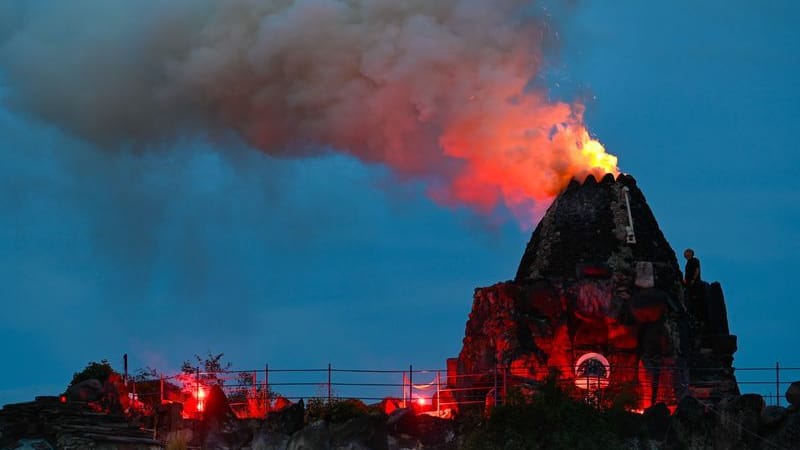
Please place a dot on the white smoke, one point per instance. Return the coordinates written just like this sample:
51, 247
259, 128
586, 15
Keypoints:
388, 81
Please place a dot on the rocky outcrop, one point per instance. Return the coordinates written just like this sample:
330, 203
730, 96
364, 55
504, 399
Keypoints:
735, 423
598, 294
793, 394
220, 428
70, 425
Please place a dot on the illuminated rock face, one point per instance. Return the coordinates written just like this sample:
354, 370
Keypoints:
591, 281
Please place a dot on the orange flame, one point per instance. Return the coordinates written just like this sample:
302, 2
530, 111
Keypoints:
523, 156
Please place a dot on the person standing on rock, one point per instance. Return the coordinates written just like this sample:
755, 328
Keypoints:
694, 285
691, 275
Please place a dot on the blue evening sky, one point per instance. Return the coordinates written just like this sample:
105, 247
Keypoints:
298, 263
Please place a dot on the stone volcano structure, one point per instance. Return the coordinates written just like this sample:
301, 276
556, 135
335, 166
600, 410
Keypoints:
597, 303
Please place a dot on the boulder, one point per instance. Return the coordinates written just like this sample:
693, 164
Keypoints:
716, 313
690, 424
772, 415
749, 402
793, 394
86, 391
745, 412
787, 435
115, 394
70, 424
433, 431
269, 440
287, 420
368, 432
220, 427
316, 436
428, 430
401, 421
657, 420
280, 403
389, 404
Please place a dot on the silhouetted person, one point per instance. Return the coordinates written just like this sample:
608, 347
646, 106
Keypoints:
691, 273
693, 283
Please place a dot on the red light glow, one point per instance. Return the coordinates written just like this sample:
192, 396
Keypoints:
201, 395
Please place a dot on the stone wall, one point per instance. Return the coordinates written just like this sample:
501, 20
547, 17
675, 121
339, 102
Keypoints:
587, 284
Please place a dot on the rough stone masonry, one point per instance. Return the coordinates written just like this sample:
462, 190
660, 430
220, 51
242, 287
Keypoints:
598, 299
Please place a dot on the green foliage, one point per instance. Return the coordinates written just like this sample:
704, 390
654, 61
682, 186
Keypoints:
247, 387
146, 374
211, 363
97, 370
210, 366
335, 411
551, 420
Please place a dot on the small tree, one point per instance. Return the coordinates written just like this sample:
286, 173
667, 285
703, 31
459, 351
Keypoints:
251, 397
146, 374
97, 370
210, 366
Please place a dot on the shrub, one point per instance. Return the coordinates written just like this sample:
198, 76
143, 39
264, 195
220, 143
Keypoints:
100, 371
550, 420
335, 410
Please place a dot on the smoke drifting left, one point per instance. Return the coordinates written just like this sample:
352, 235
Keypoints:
435, 90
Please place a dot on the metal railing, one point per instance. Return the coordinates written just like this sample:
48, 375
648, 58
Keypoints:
442, 390
770, 382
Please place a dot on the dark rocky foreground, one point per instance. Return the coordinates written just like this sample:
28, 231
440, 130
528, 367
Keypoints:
70, 425
738, 422
49, 423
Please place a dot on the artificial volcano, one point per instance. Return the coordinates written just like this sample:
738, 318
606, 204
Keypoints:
598, 304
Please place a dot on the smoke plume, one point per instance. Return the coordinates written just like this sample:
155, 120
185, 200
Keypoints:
435, 90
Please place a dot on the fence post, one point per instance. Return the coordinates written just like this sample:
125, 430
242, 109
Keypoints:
254, 389
778, 383
496, 397
266, 390
197, 384
329, 382
438, 393
411, 384
403, 390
